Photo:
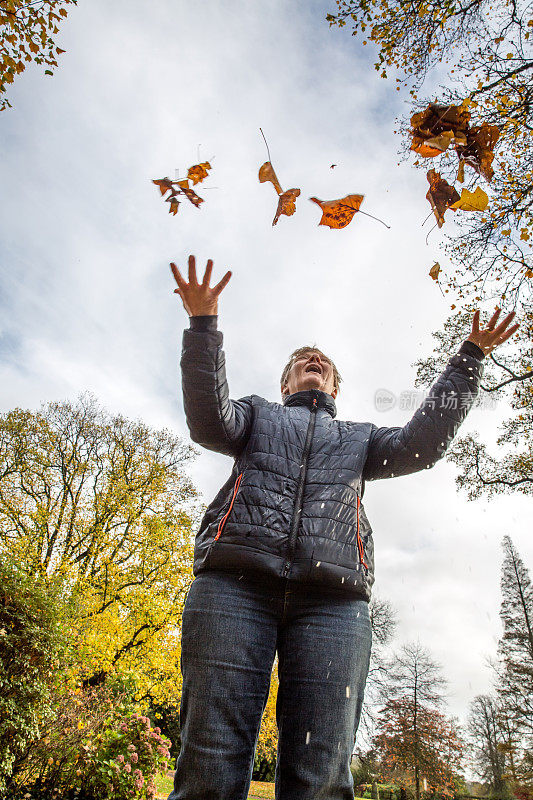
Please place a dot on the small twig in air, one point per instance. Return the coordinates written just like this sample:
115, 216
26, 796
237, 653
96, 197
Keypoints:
430, 231
268, 151
373, 217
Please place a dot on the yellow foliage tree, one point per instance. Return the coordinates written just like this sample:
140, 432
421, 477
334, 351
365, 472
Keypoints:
103, 504
26, 29
267, 742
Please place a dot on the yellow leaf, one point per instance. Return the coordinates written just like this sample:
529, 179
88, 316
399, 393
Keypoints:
471, 201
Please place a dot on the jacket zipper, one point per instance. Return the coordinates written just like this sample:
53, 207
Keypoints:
297, 513
226, 515
359, 540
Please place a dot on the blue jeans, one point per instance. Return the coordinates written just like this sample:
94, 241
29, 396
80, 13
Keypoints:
232, 626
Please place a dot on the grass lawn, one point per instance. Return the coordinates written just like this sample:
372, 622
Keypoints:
259, 790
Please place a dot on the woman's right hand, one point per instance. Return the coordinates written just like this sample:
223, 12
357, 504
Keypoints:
199, 299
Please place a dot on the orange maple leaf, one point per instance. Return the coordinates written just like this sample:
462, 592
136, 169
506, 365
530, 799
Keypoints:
338, 213
198, 172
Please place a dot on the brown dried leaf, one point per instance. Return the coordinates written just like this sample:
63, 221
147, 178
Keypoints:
434, 128
440, 195
478, 150
190, 194
164, 185
339, 213
434, 271
174, 205
266, 173
286, 203
429, 148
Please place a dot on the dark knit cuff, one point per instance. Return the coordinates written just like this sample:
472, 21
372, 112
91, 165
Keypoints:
207, 322
471, 349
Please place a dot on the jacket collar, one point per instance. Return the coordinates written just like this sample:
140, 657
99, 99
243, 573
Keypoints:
306, 398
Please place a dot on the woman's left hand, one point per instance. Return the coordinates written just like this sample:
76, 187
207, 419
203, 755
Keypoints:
491, 337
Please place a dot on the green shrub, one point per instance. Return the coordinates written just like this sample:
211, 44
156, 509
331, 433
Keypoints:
32, 645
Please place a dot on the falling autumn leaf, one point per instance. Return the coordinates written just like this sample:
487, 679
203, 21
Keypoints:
429, 148
471, 201
440, 195
437, 126
434, 271
175, 188
191, 195
461, 171
338, 213
164, 185
286, 203
198, 172
478, 150
266, 173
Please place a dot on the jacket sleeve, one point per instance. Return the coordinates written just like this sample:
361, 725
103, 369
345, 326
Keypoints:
214, 421
426, 437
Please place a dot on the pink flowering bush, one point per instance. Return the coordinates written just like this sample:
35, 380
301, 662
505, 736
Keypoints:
130, 756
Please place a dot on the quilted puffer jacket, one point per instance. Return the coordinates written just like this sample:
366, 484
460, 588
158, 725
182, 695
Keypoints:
292, 506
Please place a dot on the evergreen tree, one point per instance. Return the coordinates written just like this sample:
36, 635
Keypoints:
516, 644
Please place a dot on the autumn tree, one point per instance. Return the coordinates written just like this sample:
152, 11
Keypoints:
104, 505
482, 50
410, 717
515, 649
416, 742
267, 742
27, 28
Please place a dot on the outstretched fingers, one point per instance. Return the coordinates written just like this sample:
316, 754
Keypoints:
222, 283
492, 320
510, 332
207, 274
178, 277
504, 323
192, 270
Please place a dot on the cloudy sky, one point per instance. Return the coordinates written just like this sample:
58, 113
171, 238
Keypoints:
85, 244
